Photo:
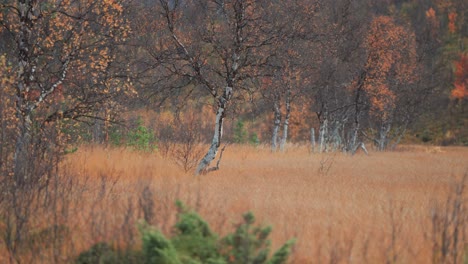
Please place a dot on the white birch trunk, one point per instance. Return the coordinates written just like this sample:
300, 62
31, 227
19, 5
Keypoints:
276, 124
335, 136
218, 133
353, 146
312, 139
322, 138
286, 120
400, 136
383, 136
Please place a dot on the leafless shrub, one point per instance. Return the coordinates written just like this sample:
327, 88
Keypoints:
188, 150
326, 163
393, 249
34, 216
449, 226
166, 140
146, 204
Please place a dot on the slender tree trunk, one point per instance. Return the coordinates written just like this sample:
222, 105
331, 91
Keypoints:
312, 139
286, 119
276, 124
353, 144
322, 134
356, 126
218, 133
357, 113
335, 135
383, 135
400, 136
21, 161
3, 130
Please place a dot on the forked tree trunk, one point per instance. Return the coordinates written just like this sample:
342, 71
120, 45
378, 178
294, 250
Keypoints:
286, 120
276, 124
218, 133
383, 136
400, 136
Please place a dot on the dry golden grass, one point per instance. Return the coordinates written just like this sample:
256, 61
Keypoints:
340, 208
359, 209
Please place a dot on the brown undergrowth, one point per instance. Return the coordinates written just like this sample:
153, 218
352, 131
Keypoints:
406, 206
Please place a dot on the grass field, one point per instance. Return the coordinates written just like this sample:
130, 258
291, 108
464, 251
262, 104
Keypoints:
389, 207
377, 208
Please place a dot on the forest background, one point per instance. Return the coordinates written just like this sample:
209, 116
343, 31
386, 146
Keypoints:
187, 80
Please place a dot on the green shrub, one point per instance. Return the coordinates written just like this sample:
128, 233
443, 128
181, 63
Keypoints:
193, 242
426, 136
115, 136
250, 244
141, 138
156, 248
102, 253
240, 133
254, 140
98, 253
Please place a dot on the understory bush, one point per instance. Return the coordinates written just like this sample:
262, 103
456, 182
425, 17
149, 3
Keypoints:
141, 138
193, 242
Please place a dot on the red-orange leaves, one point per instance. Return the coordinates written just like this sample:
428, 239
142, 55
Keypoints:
460, 90
452, 17
432, 21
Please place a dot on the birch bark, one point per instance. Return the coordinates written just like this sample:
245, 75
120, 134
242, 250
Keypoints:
277, 123
322, 136
218, 132
25, 77
286, 119
383, 135
312, 139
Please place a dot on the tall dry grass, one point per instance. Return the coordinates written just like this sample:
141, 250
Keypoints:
342, 209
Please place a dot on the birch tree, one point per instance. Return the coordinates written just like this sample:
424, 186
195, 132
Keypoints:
390, 67
337, 97
219, 52
62, 52
283, 90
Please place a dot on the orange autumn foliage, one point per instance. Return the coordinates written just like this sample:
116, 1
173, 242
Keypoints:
430, 14
460, 90
452, 16
432, 21
391, 50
